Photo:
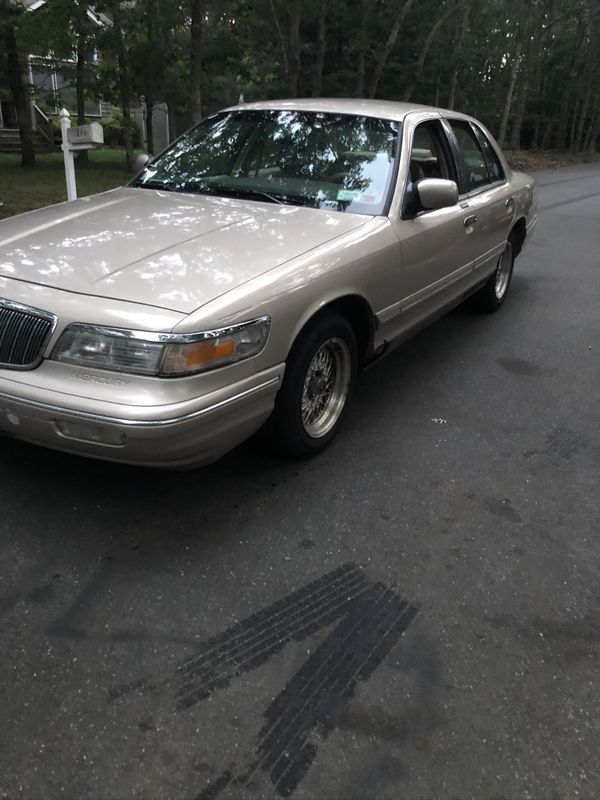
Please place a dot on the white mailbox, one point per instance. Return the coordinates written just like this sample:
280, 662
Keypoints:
86, 135
82, 137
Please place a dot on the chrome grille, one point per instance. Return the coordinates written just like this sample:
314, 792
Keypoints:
24, 333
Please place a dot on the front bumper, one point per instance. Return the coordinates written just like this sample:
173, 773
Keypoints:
186, 434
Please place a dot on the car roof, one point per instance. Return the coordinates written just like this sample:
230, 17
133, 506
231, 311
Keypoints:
385, 109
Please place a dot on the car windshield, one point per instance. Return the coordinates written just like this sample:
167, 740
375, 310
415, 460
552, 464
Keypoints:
339, 162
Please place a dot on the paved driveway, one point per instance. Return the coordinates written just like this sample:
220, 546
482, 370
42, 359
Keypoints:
414, 614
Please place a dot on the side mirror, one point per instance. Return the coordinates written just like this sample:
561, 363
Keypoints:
142, 160
437, 193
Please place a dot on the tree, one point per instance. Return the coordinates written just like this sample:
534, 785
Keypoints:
465, 6
196, 10
117, 37
424, 51
529, 69
321, 44
17, 79
288, 35
384, 55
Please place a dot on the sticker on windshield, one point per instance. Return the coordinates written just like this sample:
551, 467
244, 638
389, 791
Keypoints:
348, 195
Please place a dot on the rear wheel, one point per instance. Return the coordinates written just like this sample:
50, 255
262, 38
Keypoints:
493, 294
319, 379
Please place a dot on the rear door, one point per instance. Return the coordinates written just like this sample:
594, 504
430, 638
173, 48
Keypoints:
485, 193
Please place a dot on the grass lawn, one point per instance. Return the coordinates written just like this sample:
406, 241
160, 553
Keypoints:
25, 189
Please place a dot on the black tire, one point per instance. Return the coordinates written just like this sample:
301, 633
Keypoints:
493, 294
289, 430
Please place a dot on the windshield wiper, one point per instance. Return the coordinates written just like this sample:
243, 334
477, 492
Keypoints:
173, 186
282, 199
228, 191
242, 192
165, 187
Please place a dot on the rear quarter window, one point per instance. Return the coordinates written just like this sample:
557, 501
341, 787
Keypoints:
493, 162
475, 169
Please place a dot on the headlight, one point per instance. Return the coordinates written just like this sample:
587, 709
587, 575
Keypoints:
160, 354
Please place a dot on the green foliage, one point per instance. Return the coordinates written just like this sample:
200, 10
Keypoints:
533, 63
56, 129
114, 130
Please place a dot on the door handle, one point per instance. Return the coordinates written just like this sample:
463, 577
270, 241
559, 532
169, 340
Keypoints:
468, 221
509, 202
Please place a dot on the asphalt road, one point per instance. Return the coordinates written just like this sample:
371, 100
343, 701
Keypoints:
414, 614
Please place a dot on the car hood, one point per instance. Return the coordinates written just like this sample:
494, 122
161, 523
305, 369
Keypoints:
171, 250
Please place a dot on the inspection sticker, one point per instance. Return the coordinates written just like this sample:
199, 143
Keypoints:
348, 195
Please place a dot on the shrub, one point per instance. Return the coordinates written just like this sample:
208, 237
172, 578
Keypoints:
114, 130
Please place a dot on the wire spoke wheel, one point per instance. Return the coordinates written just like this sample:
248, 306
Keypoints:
326, 387
494, 291
320, 374
503, 271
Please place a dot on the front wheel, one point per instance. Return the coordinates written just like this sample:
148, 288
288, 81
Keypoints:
493, 294
319, 379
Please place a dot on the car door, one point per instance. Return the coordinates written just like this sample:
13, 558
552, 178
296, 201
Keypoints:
484, 192
437, 248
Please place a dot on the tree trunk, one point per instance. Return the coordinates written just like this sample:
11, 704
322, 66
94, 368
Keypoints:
321, 45
533, 24
82, 156
514, 71
464, 25
363, 43
295, 11
388, 47
582, 118
149, 126
571, 80
18, 81
574, 116
563, 121
196, 60
424, 51
173, 129
539, 87
124, 82
547, 137
593, 134
515, 137
589, 65
153, 82
282, 44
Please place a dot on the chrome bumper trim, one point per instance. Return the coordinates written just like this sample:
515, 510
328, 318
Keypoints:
66, 412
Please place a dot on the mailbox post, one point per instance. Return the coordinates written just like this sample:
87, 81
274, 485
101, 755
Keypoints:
82, 137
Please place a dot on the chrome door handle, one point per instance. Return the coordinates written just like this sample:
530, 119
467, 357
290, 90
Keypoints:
468, 221
510, 201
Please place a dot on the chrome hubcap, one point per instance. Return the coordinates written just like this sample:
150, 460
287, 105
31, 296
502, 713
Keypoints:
326, 387
503, 271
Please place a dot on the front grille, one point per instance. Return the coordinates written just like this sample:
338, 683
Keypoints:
24, 332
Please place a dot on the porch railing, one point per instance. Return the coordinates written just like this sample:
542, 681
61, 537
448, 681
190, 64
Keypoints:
43, 125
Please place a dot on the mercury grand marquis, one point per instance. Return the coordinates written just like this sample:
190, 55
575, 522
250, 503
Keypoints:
246, 274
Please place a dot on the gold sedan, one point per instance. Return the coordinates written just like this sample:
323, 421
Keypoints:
245, 276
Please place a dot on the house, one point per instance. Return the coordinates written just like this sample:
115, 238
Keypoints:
52, 87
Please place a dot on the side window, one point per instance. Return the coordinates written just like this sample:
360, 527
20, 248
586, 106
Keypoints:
428, 156
492, 160
476, 171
